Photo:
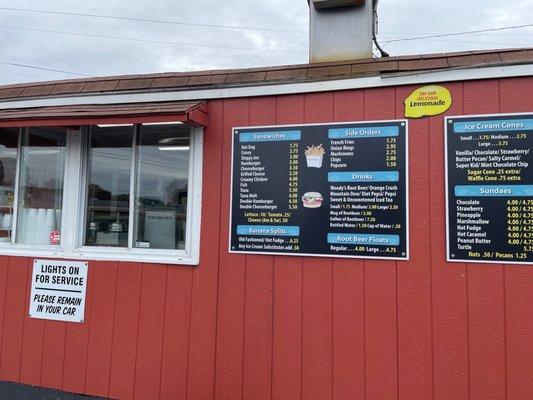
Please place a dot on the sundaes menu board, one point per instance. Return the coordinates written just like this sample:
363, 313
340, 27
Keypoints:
321, 190
490, 188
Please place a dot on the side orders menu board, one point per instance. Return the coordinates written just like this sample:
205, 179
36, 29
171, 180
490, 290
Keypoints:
321, 190
490, 188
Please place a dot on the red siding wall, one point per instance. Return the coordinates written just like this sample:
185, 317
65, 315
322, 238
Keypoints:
290, 328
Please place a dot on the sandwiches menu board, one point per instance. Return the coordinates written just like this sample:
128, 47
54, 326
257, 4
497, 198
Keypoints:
336, 190
490, 188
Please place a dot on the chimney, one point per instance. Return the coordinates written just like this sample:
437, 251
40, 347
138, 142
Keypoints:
341, 29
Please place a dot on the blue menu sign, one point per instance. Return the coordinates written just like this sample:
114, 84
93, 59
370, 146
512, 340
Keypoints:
335, 190
490, 188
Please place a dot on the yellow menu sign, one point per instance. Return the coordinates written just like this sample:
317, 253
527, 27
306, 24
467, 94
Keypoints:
428, 100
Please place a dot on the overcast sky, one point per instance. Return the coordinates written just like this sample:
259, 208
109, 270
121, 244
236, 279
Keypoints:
26, 37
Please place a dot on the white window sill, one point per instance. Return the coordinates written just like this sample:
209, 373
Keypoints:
102, 254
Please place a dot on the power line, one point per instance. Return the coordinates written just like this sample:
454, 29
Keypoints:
41, 68
91, 35
441, 33
155, 21
472, 42
458, 33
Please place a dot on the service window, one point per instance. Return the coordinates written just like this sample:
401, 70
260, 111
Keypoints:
8, 172
108, 186
40, 189
120, 192
162, 177
137, 180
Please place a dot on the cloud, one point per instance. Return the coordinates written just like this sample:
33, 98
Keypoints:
105, 56
435, 16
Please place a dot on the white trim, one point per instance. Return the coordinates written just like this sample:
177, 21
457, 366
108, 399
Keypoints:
406, 182
14, 218
322, 124
422, 77
331, 256
194, 197
87, 254
234, 131
82, 186
71, 189
132, 220
447, 189
407, 195
446, 194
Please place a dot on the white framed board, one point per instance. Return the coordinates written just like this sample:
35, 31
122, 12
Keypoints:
489, 188
326, 190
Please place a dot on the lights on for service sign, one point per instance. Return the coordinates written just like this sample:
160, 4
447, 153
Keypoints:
58, 290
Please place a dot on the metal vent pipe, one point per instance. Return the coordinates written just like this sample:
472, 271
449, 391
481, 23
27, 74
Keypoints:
340, 29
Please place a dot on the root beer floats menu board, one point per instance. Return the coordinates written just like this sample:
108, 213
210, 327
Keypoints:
490, 188
321, 190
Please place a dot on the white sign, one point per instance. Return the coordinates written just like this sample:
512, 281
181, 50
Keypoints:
58, 290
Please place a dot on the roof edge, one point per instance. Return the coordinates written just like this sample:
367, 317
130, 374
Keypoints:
416, 78
258, 76
281, 82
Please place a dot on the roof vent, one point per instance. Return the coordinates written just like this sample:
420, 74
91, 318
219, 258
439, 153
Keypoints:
324, 4
340, 29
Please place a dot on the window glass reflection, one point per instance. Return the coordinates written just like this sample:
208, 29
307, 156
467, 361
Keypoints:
108, 189
8, 169
162, 168
41, 186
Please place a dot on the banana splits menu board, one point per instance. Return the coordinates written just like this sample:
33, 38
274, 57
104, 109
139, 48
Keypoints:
321, 190
490, 188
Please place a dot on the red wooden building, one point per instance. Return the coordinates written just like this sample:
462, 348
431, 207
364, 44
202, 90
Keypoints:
186, 319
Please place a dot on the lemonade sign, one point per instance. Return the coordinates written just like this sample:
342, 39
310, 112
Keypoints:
428, 100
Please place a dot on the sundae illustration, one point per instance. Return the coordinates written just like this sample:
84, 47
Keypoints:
312, 200
314, 156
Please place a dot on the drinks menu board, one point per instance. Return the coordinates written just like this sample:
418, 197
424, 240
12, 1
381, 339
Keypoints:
490, 188
321, 190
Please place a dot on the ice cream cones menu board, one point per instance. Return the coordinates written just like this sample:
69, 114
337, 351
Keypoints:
490, 188
321, 190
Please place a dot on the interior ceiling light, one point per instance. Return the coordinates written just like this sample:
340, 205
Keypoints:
174, 148
112, 125
164, 123
172, 140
